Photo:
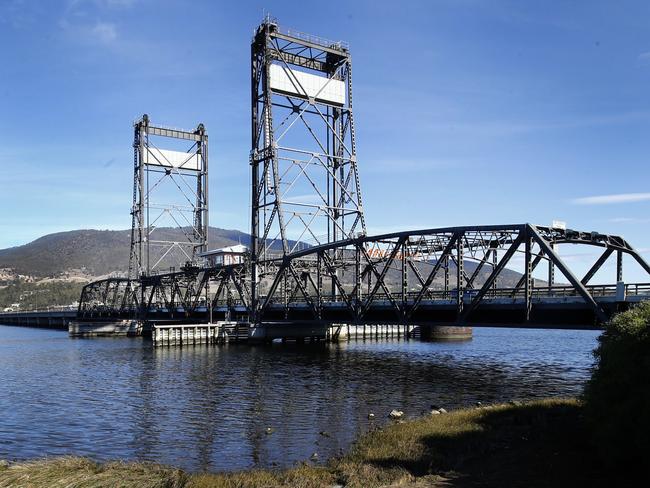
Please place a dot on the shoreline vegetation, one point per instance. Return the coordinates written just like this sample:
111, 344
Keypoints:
541, 443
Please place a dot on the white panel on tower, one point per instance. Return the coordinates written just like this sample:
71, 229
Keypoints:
307, 85
173, 159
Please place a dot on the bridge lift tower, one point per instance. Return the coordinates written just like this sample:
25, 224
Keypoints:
305, 182
170, 197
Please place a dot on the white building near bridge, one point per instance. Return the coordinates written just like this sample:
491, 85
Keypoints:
225, 256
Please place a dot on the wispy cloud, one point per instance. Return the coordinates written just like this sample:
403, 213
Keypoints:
98, 35
77, 13
19, 14
104, 32
628, 220
72, 4
402, 165
76, 26
611, 199
119, 3
501, 128
644, 58
310, 198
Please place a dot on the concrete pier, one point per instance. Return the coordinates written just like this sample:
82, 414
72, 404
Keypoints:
445, 333
232, 331
224, 332
305, 331
105, 329
193, 334
343, 332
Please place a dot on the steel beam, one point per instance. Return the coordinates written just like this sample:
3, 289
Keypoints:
439, 262
522, 280
580, 288
528, 276
488, 283
195, 136
597, 265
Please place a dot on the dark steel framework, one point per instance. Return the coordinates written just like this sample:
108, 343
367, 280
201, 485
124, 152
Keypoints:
305, 182
436, 276
455, 275
176, 230
410, 277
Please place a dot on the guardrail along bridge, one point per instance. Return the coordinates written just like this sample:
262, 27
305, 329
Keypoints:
311, 268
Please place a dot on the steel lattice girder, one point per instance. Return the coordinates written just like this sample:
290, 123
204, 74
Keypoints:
110, 297
368, 272
376, 256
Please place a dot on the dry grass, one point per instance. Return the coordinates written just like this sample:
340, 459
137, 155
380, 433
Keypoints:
68, 472
300, 477
536, 444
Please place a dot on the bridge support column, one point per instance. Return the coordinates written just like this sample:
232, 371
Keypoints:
621, 294
528, 276
445, 333
619, 266
459, 277
446, 265
551, 270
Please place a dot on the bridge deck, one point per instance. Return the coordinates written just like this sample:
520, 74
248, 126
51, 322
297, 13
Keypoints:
560, 309
49, 319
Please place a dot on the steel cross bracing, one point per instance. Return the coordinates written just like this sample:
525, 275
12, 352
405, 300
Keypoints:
170, 197
305, 182
454, 275
110, 298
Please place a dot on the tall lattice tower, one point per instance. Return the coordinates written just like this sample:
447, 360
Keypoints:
305, 183
170, 197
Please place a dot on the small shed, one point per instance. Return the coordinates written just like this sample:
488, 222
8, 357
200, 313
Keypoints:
225, 256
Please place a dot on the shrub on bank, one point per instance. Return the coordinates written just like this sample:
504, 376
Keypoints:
617, 397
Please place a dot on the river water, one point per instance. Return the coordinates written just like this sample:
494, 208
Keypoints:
209, 407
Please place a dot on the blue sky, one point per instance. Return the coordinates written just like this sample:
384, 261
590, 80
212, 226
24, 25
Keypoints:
467, 112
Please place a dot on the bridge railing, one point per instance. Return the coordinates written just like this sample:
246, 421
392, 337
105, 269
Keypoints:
632, 289
637, 289
53, 308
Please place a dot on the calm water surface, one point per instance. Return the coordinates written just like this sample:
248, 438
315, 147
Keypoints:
208, 408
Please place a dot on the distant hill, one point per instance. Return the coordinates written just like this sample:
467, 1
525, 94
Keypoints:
90, 252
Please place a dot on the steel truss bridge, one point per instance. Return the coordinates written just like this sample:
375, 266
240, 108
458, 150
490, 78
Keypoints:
449, 276
310, 258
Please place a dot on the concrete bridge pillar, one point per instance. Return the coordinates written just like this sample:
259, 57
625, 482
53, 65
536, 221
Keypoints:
445, 333
620, 291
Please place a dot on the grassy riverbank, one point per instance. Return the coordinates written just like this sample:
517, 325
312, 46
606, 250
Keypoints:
536, 444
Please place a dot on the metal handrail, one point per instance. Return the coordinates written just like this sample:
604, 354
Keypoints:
321, 41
